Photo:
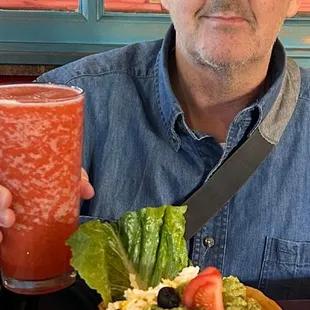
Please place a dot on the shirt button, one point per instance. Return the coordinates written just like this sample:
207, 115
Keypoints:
208, 242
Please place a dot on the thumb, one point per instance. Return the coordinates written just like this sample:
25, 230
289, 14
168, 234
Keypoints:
87, 190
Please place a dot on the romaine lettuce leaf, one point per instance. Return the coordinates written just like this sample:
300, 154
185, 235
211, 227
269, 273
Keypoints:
172, 255
99, 257
148, 243
130, 234
151, 220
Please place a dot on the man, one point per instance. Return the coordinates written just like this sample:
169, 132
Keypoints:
161, 117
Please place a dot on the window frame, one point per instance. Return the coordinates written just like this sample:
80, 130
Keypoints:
57, 37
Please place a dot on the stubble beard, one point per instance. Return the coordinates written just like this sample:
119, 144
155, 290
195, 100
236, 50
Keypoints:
224, 68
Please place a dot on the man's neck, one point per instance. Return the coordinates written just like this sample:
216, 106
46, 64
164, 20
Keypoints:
211, 99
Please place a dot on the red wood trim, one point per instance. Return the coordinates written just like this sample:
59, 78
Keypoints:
133, 7
16, 79
305, 6
70, 5
111, 5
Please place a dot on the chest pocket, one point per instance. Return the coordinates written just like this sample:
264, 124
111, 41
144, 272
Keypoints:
285, 271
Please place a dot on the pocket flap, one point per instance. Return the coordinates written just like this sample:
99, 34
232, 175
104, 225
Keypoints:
285, 271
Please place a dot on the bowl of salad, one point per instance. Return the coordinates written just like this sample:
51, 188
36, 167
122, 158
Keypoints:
140, 262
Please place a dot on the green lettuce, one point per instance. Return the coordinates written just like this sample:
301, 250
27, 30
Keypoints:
148, 243
151, 220
130, 234
100, 258
172, 255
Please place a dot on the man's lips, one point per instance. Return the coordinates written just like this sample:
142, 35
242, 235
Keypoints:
227, 18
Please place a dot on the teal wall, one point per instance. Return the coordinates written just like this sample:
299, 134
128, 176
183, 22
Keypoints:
30, 37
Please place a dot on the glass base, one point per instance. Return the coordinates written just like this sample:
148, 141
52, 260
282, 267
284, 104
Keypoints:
40, 286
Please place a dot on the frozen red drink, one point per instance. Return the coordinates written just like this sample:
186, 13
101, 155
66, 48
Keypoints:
40, 163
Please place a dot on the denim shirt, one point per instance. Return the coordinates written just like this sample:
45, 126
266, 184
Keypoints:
139, 151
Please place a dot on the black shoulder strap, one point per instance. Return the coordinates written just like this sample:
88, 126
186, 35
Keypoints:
225, 182
239, 167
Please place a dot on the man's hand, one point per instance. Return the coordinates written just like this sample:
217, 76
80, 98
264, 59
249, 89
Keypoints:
87, 191
7, 216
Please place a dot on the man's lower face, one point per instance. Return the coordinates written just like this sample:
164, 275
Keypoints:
221, 44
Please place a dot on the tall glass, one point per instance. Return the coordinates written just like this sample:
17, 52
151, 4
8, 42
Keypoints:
40, 163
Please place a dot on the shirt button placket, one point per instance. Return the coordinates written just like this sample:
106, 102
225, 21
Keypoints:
212, 241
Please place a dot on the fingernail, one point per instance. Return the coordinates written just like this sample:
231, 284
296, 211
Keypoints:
3, 198
85, 179
3, 219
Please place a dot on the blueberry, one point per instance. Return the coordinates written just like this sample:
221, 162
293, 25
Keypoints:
168, 298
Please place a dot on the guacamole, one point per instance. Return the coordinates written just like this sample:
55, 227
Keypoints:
158, 308
234, 296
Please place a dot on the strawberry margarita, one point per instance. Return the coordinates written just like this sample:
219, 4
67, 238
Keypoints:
40, 163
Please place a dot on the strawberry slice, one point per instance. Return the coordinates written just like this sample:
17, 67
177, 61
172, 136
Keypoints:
204, 291
209, 296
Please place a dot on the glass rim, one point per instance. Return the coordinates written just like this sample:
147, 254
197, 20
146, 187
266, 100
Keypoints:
79, 92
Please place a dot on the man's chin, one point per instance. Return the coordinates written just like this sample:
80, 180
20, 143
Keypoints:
221, 59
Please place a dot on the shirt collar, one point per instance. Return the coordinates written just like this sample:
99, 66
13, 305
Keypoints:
168, 103
276, 73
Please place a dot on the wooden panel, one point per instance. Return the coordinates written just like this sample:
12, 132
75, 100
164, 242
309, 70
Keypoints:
305, 7
155, 6
134, 6
15, 79
23, 70
63, 5
110, 5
